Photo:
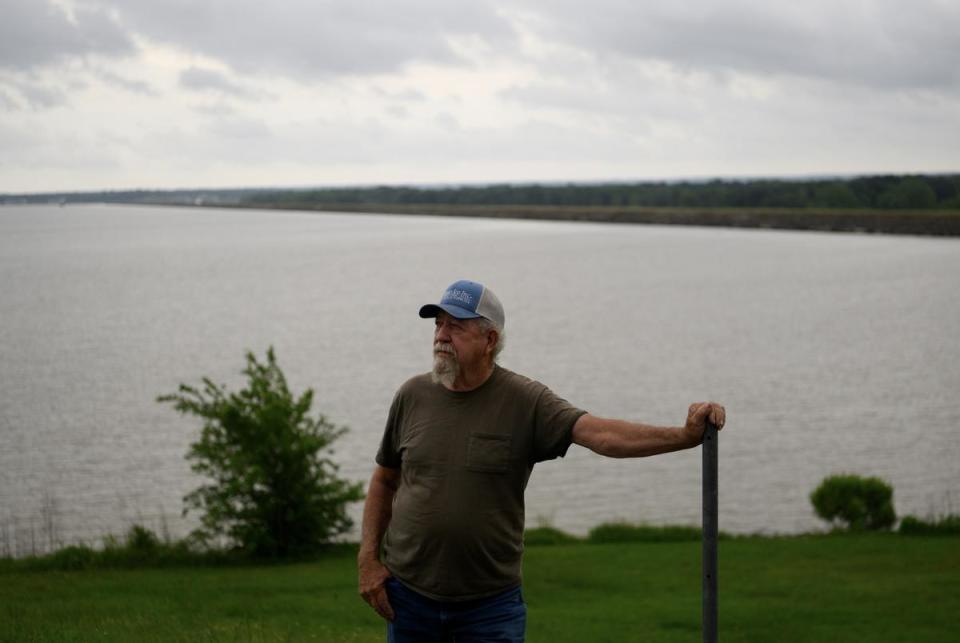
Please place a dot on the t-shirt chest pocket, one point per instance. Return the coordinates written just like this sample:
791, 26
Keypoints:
488, 452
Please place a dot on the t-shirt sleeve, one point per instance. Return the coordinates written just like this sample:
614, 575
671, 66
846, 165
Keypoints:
388, 455
553, 426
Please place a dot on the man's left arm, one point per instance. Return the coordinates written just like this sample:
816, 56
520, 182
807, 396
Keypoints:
622, 439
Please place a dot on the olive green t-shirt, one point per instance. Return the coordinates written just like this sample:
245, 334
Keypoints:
456, 532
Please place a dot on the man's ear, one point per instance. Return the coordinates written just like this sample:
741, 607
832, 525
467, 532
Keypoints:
492, 338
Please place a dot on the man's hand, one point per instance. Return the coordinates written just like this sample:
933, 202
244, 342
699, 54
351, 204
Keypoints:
697, 417
373, 575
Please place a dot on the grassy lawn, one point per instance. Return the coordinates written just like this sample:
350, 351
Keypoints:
850, 588
815, 588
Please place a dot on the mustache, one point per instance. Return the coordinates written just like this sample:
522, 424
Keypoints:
442, 347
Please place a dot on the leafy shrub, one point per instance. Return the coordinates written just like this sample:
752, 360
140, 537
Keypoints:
273, 489
73, 557
548, 536
139, 548
855, 502
622, 532
942, 526
141, 539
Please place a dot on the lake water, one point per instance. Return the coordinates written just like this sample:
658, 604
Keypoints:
833, 353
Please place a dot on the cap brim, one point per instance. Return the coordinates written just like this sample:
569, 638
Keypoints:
432, 310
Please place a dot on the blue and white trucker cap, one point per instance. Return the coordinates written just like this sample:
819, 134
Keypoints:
467, 300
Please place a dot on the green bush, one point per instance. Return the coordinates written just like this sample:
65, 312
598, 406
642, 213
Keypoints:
139, 548
73, 557
622, 532
273, 489
855, 502
141, 539
547, 536
942, 526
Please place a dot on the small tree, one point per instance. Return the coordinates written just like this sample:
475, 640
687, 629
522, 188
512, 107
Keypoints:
273, 489
860, 503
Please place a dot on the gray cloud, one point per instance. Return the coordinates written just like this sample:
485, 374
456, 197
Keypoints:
407, 95
134, 86
7, 101
563, 89
29, 93
42, 96
51, 153
241, 128
34, 33
882, 44
310, 39
607, 98
219, 109
201, 79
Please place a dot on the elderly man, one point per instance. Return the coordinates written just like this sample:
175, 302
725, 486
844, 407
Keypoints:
445, 503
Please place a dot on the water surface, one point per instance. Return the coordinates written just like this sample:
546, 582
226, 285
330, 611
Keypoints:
832, 352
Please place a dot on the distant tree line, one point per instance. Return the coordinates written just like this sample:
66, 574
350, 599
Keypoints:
887, 192
892, 192
162, 197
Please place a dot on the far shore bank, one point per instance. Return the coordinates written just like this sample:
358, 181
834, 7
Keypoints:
908, 222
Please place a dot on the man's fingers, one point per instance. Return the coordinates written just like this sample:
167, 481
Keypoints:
718, 415
703, 412
381, 603
377, 599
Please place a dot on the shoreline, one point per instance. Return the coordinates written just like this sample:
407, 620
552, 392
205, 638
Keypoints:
903, 222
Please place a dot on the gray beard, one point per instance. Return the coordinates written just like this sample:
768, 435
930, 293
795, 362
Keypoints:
446, 368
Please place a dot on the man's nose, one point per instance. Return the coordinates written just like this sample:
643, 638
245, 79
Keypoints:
442, 333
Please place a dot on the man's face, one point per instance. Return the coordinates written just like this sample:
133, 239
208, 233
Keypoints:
458, 344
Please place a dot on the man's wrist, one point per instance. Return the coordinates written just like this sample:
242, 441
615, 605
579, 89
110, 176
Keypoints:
691, 437
366, 555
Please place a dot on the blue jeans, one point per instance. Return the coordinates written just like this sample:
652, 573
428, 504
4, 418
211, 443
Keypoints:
418, 619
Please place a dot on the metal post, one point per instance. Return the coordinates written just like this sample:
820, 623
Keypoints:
710, 529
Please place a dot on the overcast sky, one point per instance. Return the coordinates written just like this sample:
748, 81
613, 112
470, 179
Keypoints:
104, 94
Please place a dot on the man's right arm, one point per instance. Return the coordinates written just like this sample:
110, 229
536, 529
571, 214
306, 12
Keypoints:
377, 511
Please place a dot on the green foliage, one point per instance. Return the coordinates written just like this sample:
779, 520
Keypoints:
273, 489
72, 557
141, 539
835, 195
139, 548
622, 532
888, 191
912, 192
547, 536
856, 502
878, 191
942, 526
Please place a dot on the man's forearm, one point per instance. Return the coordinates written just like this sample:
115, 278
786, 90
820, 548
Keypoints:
622, 439
377, 511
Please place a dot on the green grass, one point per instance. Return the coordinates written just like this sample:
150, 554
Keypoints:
841, 587
825, 588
